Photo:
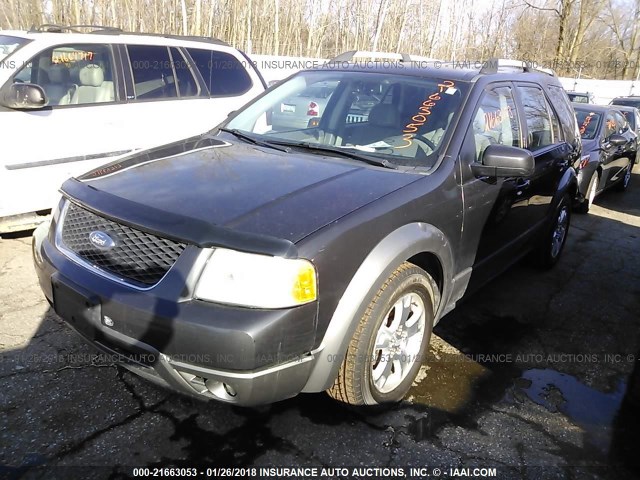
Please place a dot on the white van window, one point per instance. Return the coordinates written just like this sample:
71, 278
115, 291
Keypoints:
187, 85
9, 44
222, 72
153, 76
72, 74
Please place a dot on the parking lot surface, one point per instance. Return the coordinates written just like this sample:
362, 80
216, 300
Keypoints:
536, 375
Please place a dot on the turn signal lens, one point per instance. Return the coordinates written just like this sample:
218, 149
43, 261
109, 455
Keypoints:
304, 289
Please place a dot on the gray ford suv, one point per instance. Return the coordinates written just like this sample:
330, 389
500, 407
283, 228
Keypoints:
250, 264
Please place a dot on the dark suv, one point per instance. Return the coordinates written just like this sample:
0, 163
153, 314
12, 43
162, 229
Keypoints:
251, 264
631, 101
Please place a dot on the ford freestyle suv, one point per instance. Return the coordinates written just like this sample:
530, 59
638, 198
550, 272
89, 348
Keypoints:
253, 263
76, 97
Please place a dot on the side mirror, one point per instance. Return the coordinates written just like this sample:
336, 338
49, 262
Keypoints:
505, 161
24, 96
617, 140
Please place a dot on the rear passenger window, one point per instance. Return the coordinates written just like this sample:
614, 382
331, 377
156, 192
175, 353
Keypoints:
621, 123
73, 74
560, 101
630, 118
223, 74
496, 120
540, 132
152, 72
187, 85
555, 124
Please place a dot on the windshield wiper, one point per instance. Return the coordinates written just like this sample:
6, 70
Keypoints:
378, 162
248, 138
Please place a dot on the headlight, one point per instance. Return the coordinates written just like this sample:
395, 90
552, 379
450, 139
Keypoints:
258, 281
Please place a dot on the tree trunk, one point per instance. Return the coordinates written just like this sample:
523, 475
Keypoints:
563, 18
382, 11
185, 30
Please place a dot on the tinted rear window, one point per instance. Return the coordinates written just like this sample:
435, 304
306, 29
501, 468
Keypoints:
222, 72
631, 118
152, 72
628, 102
578, 98
563, 108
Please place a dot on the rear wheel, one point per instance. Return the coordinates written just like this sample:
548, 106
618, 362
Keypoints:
552, 243
592, 189
390, 342
622, 185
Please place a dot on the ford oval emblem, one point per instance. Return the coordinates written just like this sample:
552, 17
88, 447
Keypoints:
101, 240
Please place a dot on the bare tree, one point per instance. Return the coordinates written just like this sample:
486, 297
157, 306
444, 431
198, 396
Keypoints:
596, 37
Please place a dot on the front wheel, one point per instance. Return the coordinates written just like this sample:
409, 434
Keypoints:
390, 342
552, 242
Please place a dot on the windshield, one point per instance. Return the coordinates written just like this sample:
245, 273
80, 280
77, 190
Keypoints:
401, 119
588, 123
8, 45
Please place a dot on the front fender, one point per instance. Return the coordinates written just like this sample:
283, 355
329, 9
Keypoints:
583, 176
568, 184
386, 256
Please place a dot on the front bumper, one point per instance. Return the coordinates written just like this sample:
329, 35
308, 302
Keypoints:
237, 355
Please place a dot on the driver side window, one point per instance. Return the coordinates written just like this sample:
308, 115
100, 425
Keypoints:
72, 74
610, 126
495, 120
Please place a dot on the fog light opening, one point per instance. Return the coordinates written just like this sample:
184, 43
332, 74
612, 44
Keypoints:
221, 390
230, 390
196, 382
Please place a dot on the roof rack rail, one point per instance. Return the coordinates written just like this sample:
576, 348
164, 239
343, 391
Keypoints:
101, 29
403, 57
192, 38
53, 27
497, 65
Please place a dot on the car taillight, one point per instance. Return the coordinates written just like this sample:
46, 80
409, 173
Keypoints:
313, 110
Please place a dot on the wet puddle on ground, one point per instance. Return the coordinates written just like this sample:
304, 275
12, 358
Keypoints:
590, 409
455, 389
448, 380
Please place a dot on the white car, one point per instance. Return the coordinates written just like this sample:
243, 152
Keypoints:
72, 101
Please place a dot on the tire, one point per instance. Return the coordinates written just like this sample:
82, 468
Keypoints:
592, 189
366, 376
623, 184
552, 243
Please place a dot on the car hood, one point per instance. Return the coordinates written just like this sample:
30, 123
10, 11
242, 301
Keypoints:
211, 190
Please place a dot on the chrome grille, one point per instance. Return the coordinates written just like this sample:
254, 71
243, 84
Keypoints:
138, 257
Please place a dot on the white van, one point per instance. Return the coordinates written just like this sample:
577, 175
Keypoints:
71, 101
